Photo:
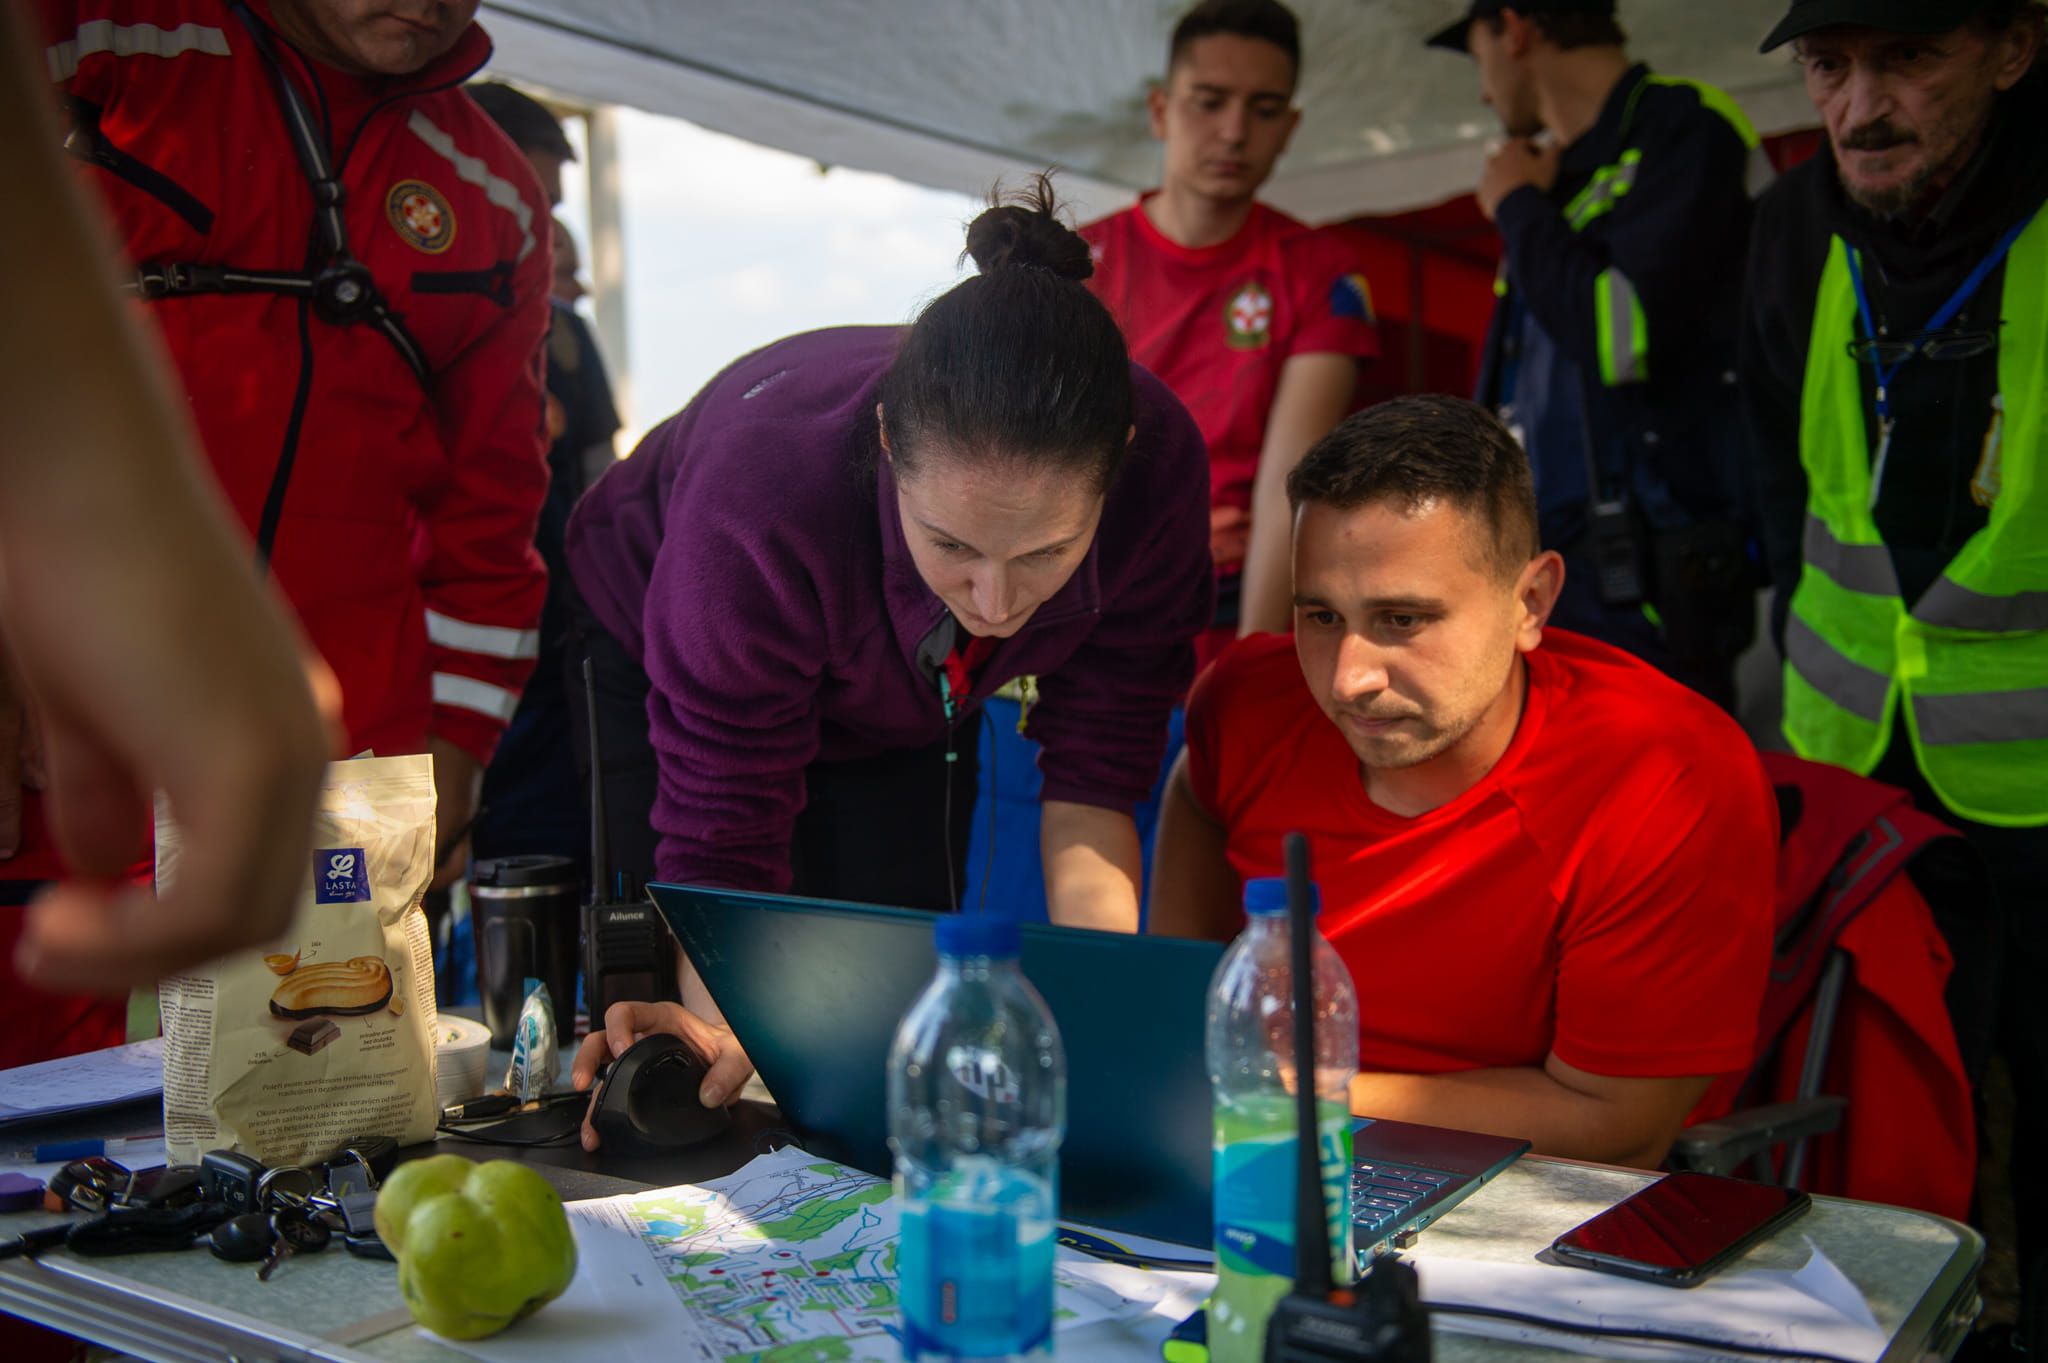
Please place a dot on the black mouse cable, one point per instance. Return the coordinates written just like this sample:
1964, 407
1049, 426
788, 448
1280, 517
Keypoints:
789, 1141
482, 1136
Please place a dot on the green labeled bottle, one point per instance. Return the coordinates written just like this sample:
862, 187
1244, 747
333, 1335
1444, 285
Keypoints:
1251, 1071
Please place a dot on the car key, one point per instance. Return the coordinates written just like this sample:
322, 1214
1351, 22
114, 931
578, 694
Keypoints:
363, 1163
354, 1213
350, 1174
297, 1233
369, 1246
87, 1185
231, 1178
243, 1239
176, 1185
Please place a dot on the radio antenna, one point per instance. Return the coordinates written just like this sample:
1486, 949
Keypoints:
1311, 1223
1382, 1320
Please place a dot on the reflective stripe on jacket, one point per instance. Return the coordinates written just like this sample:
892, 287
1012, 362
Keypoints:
1623, 332
1616, 325
405, 512
1969, 661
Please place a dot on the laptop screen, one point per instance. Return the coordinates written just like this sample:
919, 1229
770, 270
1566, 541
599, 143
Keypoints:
814, 991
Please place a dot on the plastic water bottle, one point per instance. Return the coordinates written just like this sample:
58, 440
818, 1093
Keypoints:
1251, 1069
977, 1109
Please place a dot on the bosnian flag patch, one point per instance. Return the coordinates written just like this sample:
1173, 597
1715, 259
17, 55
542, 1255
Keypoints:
1351, 296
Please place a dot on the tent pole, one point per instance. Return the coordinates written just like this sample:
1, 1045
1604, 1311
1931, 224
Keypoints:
608, 256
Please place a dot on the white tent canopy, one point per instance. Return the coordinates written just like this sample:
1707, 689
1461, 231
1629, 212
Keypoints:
954, 93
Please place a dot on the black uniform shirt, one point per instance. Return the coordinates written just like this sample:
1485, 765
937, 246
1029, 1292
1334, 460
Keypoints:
1679, 235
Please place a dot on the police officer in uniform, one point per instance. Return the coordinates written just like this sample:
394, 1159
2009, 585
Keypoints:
1623, 201
1894, 369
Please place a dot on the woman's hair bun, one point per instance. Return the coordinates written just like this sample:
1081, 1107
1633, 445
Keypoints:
1022, 229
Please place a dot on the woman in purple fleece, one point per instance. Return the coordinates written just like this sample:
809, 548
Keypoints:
802, 587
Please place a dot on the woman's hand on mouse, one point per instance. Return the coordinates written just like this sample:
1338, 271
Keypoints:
627, 1023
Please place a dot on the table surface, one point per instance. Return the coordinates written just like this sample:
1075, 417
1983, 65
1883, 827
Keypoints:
1917, 1271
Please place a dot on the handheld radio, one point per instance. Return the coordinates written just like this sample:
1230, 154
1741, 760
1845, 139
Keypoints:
1381, 1320
628, 955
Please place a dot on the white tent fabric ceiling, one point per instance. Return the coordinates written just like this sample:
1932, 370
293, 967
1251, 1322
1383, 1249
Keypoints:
953, 93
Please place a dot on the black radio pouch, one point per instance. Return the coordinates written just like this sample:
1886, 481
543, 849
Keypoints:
1616, 551
1613, 538
1705, 588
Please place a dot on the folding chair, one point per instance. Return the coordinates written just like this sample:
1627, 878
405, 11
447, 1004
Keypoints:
1843, 842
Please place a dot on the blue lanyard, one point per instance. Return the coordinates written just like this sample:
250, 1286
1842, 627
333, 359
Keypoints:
1941, 319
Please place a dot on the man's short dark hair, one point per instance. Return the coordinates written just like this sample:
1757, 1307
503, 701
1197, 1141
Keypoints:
1415, 451
1569, 29
1267, 20
523, 118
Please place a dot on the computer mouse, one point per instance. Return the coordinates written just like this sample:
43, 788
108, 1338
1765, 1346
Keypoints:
646, 1103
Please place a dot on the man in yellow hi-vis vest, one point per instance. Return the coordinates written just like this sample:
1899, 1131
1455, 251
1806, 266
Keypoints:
1895, 372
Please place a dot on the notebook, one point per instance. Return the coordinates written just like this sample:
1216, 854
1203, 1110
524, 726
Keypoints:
814, 989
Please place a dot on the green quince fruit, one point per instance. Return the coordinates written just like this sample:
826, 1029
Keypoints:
478, 1245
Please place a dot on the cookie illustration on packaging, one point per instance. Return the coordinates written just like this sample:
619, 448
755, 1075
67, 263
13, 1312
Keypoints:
352, 988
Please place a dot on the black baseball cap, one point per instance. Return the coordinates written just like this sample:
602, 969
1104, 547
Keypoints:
1453, 39
523, 118
1892, 16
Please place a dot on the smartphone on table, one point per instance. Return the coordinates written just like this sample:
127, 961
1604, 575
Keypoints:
1680, 1229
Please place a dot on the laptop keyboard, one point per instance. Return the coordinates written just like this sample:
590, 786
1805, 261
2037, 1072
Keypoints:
1384, 1194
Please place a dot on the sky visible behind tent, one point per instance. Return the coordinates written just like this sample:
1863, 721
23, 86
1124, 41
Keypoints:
730, 246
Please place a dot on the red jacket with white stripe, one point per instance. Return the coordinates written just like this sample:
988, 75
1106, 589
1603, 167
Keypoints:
404, 537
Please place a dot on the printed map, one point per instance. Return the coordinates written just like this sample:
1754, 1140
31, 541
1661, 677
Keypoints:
790, 1260
793, 1260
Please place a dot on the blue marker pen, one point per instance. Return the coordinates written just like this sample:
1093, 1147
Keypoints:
63, 1152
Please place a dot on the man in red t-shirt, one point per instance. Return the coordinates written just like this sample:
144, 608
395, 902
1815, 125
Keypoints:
1549, 867
1256, 322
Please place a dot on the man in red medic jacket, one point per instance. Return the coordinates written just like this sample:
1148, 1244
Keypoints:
366, 381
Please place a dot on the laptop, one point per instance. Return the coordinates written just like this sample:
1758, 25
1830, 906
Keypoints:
814, 989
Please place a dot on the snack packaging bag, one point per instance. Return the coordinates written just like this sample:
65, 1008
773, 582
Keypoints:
289, 1052
535, 1050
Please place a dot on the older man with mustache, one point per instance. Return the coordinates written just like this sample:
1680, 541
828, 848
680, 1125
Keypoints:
1895, 370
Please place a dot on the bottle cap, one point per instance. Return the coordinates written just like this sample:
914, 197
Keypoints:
1267, 896
961, 934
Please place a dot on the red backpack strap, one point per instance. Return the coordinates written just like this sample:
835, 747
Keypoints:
1842, 838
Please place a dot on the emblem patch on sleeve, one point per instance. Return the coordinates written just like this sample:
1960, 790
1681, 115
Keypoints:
420, 215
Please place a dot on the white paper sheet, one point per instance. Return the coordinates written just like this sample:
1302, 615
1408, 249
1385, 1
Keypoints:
618, 1308
623, 1305
1171, 1293
1815, 1310
80, 1083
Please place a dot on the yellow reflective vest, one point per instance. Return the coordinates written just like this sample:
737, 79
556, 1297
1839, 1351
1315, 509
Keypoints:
1969, 661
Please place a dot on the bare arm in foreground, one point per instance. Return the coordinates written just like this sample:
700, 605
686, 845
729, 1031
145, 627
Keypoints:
145, 647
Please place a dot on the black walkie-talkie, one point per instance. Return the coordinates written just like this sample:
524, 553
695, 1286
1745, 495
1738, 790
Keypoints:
628, 955
1382, 1317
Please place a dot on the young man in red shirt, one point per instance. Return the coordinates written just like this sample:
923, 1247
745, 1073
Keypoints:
1548, 866
1257, 322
